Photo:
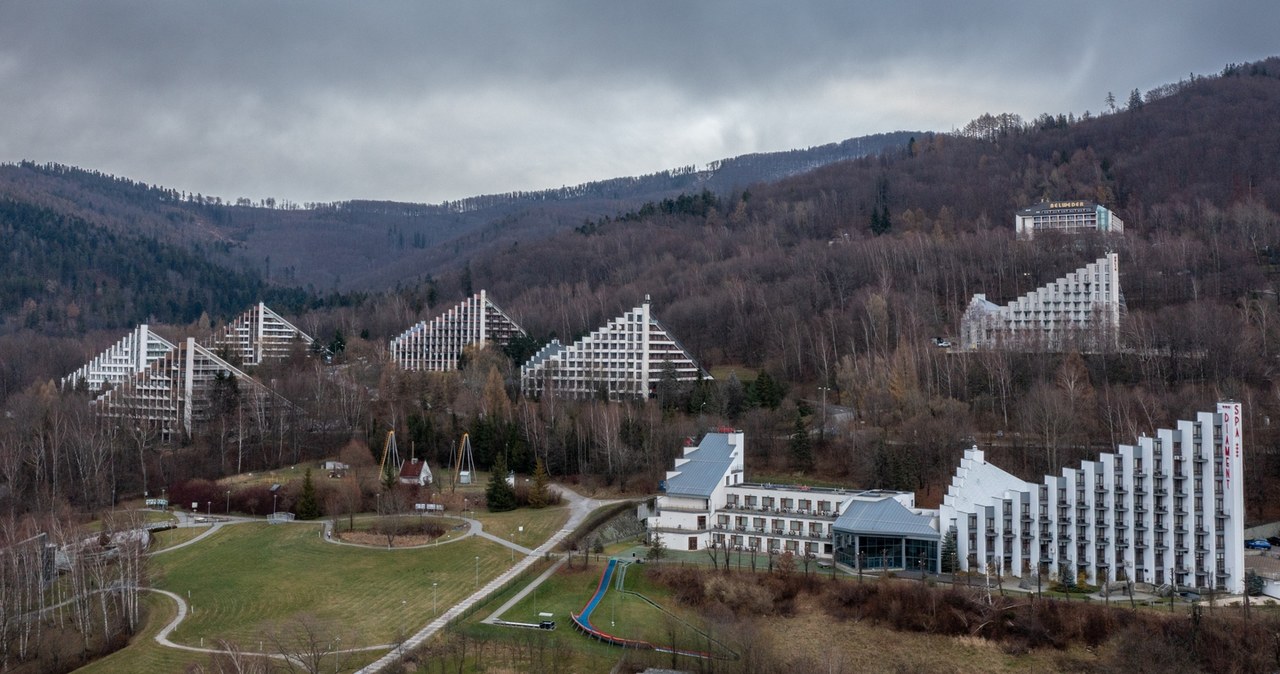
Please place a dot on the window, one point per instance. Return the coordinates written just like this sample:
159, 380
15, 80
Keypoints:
693, 542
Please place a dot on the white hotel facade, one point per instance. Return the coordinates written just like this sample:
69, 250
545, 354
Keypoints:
1080, 310
1065, 216
1166, 510
625, 359
437, 345
705, 503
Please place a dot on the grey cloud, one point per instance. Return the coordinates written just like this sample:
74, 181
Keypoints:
427, 101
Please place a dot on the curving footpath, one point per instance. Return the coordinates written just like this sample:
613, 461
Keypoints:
579, 508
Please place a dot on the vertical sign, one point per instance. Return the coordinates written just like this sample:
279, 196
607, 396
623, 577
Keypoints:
1233, 494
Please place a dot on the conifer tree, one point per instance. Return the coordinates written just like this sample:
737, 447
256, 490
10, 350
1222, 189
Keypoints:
500, 496
308, 505
801, 449
538, 495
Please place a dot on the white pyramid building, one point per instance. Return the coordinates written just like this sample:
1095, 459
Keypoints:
175, 391
1080, 310
121, 361
625, 359
259, 334
436, 345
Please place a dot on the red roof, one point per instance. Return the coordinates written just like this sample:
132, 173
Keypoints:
411, 468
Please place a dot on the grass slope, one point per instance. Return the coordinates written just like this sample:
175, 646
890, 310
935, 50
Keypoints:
248, 582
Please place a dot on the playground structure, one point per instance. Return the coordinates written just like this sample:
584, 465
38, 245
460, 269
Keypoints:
464, 468
582, 621
389, 451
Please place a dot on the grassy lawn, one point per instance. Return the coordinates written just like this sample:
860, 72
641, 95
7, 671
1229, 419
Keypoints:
270, 477
248, 580
538, 524
171, 537
620, 614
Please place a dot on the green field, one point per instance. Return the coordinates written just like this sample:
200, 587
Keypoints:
168, 538
539, 524
250, 581
620, 614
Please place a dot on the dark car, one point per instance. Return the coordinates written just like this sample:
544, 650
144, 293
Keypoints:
1257, 544
1273, 540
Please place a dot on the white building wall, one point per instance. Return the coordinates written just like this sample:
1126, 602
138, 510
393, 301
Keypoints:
626, 358
1160, 511
1079, 310
436, 345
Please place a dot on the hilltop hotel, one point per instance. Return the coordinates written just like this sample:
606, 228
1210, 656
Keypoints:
1065, 216
1169, 509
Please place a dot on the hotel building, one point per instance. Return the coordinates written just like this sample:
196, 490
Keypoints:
436, 345
625, 359
259, 334
704, 502
1078, 311
1065, 216
1166, 510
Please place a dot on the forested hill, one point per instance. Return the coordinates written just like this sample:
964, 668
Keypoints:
374, 244
65, 276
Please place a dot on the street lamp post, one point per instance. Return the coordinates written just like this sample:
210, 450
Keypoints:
208, 508
477, 572
228, 501
273, 503
435, 598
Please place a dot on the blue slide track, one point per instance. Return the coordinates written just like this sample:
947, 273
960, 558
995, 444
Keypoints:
585, 616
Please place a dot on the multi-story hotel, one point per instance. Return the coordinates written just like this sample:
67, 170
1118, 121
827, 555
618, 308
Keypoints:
625, 359
1068, 216
121, 361
148, 378
1078, 311
706, 503
1168, 510
176, 391
436, 345
259, 334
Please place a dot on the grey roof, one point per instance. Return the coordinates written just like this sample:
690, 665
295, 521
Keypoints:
707, 466
886, 516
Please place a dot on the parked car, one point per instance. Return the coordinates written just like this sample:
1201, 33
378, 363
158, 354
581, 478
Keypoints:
1273, 540
1189, 595
1257, 544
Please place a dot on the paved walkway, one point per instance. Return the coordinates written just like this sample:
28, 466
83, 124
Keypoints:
579, 508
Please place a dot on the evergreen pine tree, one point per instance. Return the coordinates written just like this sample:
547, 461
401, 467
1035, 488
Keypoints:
538, 495
801, 449
308, 506
500, 496
950, 552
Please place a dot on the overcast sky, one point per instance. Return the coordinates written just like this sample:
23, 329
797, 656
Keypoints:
421, 101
